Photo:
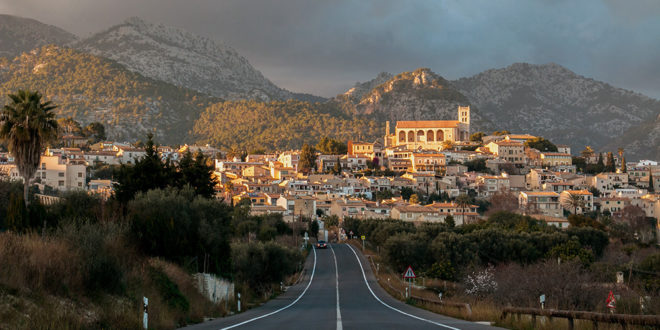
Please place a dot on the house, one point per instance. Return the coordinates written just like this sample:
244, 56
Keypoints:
560, 223
552, 159
343, 208
537, 177
586, 198
427, 162
461, 214
487, 185
416, 213
326, 163
62, 174
613, 204
128, 155
540, 202
608, 182
511, 151
289, 159
103, 188
74, 141
101, 157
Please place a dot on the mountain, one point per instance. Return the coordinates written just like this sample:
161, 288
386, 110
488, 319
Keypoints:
640, 141
355, 94
278, 125
416, 95
554, 102
18, 35
91, 88
183, 59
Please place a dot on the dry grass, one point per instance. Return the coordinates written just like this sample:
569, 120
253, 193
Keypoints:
43, 286
482, 310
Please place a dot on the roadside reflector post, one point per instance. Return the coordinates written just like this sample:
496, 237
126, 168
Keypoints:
145, 314
239, 302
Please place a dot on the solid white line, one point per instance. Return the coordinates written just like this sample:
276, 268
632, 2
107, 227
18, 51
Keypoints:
285, 307
388, 306
339, 324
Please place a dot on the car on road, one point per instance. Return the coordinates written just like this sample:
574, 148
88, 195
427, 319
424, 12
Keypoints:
321, 245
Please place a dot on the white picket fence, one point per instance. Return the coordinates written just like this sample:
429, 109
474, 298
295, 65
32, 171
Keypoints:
216, 289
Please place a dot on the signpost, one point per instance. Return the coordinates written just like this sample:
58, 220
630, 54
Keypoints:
409, 274
611, 302
363, 238
542, 301
145, 315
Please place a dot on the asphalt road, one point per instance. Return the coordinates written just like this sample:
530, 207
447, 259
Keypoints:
338, 291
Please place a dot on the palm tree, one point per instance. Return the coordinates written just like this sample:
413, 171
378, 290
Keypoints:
463, 201
27, 124
575, 201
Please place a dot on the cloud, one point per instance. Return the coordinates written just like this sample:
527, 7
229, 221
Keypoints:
323, 47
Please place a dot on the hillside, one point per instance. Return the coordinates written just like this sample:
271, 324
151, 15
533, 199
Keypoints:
183, 59
18, 35
278, 125
640, 141
551, 101
416, 95
91, 88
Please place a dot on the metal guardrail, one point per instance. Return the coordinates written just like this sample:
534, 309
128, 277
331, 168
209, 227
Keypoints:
458, 305
622, 319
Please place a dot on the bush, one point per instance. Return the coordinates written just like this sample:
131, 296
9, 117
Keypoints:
261, 265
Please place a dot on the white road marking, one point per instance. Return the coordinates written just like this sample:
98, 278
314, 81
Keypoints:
339, 324
285, 307
388, 306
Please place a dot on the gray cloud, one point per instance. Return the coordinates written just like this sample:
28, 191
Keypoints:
323, 47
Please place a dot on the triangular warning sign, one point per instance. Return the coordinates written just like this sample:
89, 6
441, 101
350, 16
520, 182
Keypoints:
409, 273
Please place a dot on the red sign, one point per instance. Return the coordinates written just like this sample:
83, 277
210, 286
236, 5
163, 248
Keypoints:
409, 273
611, 301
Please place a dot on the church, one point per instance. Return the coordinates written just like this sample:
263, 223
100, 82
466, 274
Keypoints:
429, 134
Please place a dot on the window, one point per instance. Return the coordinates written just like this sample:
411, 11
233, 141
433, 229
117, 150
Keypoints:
80, 174
60, 174
43, 175
43, 166
60, 183
79, 184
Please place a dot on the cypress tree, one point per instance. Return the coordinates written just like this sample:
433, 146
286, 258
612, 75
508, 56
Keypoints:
610, 167
599, 165
624, 168
651, 188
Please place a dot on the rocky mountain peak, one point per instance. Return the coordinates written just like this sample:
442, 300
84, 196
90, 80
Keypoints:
183, 59
19, 35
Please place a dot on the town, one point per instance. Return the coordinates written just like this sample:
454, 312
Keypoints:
422, 171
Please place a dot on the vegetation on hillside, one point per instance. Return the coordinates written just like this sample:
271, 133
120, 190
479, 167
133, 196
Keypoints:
90, 88
277, 125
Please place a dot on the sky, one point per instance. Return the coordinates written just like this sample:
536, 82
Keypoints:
324, 47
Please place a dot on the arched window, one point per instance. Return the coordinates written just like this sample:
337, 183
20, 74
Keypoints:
411, 136
429, 136
440, 136
402, 136
420, 135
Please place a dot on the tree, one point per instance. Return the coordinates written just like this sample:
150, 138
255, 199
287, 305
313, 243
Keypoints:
500, 133
330, 146
477, 137
503, 201
541, 144
95, 132
27, 124
587, 153
463, 201
307, 160
575, 201
600, 165
69, 126
624, 167
336, 169
651, 187
414, 199
610, 166
148, 173
197, 173
447, 145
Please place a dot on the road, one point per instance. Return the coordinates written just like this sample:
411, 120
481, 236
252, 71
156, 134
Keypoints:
338, 291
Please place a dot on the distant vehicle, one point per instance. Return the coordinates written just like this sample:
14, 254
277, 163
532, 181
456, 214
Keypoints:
321, 245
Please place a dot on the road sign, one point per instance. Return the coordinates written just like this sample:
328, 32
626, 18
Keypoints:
363, 237
409, 273
611, 300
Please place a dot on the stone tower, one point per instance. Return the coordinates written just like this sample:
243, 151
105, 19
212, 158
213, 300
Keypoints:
464, 118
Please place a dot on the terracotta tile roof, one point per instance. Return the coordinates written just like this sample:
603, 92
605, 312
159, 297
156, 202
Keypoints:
578, 192
540, 193
427, 124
